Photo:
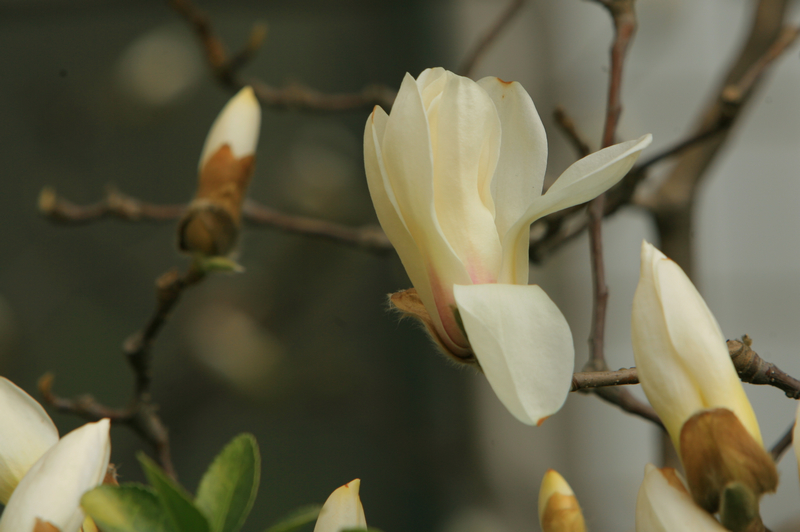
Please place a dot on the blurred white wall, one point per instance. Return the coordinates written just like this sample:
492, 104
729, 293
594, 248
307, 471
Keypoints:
746, 239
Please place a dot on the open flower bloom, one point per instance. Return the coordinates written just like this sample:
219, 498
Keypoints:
211, 224
456, 173
558, 507
342, 510
42, 477
688, 376
664, 505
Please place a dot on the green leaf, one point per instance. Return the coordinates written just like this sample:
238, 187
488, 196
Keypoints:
183, 514
228, 489
296, 519
126, 508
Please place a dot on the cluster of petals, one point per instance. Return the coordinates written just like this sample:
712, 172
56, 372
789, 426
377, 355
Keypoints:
42, 477
456, 174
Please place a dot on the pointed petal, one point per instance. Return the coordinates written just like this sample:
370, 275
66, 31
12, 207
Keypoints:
342, 510
238, 125
52, 489
431, 84
664, 505
523, 152
465, 131
523, 343
559, 510
581, 182
408, 164
27, 433
675, 335
383, 198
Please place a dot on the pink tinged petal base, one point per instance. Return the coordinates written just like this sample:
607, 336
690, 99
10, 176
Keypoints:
52, 489
26, 433
523, 344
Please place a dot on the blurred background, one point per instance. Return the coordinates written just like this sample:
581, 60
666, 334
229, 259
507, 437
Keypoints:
300, 349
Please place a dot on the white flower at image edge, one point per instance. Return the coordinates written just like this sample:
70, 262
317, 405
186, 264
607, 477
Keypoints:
456, 174
42, 477
342, 510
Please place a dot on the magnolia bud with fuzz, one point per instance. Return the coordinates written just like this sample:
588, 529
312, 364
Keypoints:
210, 226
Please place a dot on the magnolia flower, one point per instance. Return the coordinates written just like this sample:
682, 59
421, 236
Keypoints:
688, 376
211, 225
455, 173
342, 510
664, 505
558, 507
42, 477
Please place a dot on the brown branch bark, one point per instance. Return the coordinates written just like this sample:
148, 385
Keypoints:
120, 206
624, 18
225, 70
782, 445
489, 37
141, 414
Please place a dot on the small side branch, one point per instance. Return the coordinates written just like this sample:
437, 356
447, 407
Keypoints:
225, 70
489, 37
782, 445
141, 415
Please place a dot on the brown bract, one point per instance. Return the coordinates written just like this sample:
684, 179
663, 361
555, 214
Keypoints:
44, 526
716, 450
211, 224
409, 303
563, 514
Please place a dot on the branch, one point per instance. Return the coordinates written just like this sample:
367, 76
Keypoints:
782, 445
624, 28
141, 414
118, 205
489, 37
569, 128
225, 70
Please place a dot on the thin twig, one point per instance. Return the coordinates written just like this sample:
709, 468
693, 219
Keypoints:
624, 28
120, 206
629, 403
141, 414
489, 37
225, 70
755, 370
783, 444
569, 128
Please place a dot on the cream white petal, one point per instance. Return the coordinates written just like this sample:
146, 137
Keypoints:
52, 489
662, 507
520, 170
26, 433
675, 398
408, 164
698, 343
584, 180
342, 510
388, 212
523, 344
523, 152
238, 125
796, 438
431, 84
466, 144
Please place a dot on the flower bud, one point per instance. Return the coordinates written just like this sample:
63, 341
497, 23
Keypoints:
210, 226
558, 507
27, 433
681, 356
342, 510
51, 490
664, 505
